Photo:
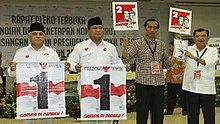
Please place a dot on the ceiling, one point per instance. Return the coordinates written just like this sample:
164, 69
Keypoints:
212, 3
201, 3
196, 3
192, 1
167, 1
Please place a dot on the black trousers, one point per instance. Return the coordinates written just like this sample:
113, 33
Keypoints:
172, 91
206, 102
4, 83
149, 98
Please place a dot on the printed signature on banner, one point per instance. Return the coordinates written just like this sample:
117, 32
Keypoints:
38, 114
103, 115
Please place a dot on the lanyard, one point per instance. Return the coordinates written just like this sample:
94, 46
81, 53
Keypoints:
200, 56
152, 51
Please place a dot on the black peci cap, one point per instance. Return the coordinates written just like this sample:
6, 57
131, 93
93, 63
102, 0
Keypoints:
36, 27
94, 21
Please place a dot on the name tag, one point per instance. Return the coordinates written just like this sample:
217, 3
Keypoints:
155, 68
197, 74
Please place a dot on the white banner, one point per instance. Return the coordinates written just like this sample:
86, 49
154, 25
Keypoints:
179, 49
180, 21
40, 90
103, 93
125, 15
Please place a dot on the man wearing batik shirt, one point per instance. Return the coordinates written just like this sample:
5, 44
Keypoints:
174, 77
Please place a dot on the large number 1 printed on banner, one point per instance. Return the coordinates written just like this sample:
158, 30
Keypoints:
42, 88
104, 82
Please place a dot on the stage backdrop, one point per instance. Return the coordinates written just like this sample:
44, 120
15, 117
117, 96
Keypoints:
65, 25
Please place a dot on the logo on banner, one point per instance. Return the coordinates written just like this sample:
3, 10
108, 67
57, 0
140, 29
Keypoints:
106, 68
43, 65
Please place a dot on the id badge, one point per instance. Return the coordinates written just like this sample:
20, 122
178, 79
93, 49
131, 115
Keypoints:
155, 68
197, 74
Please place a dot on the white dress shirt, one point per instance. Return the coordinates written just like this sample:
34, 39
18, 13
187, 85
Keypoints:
44, 54
88, 53
206, 84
